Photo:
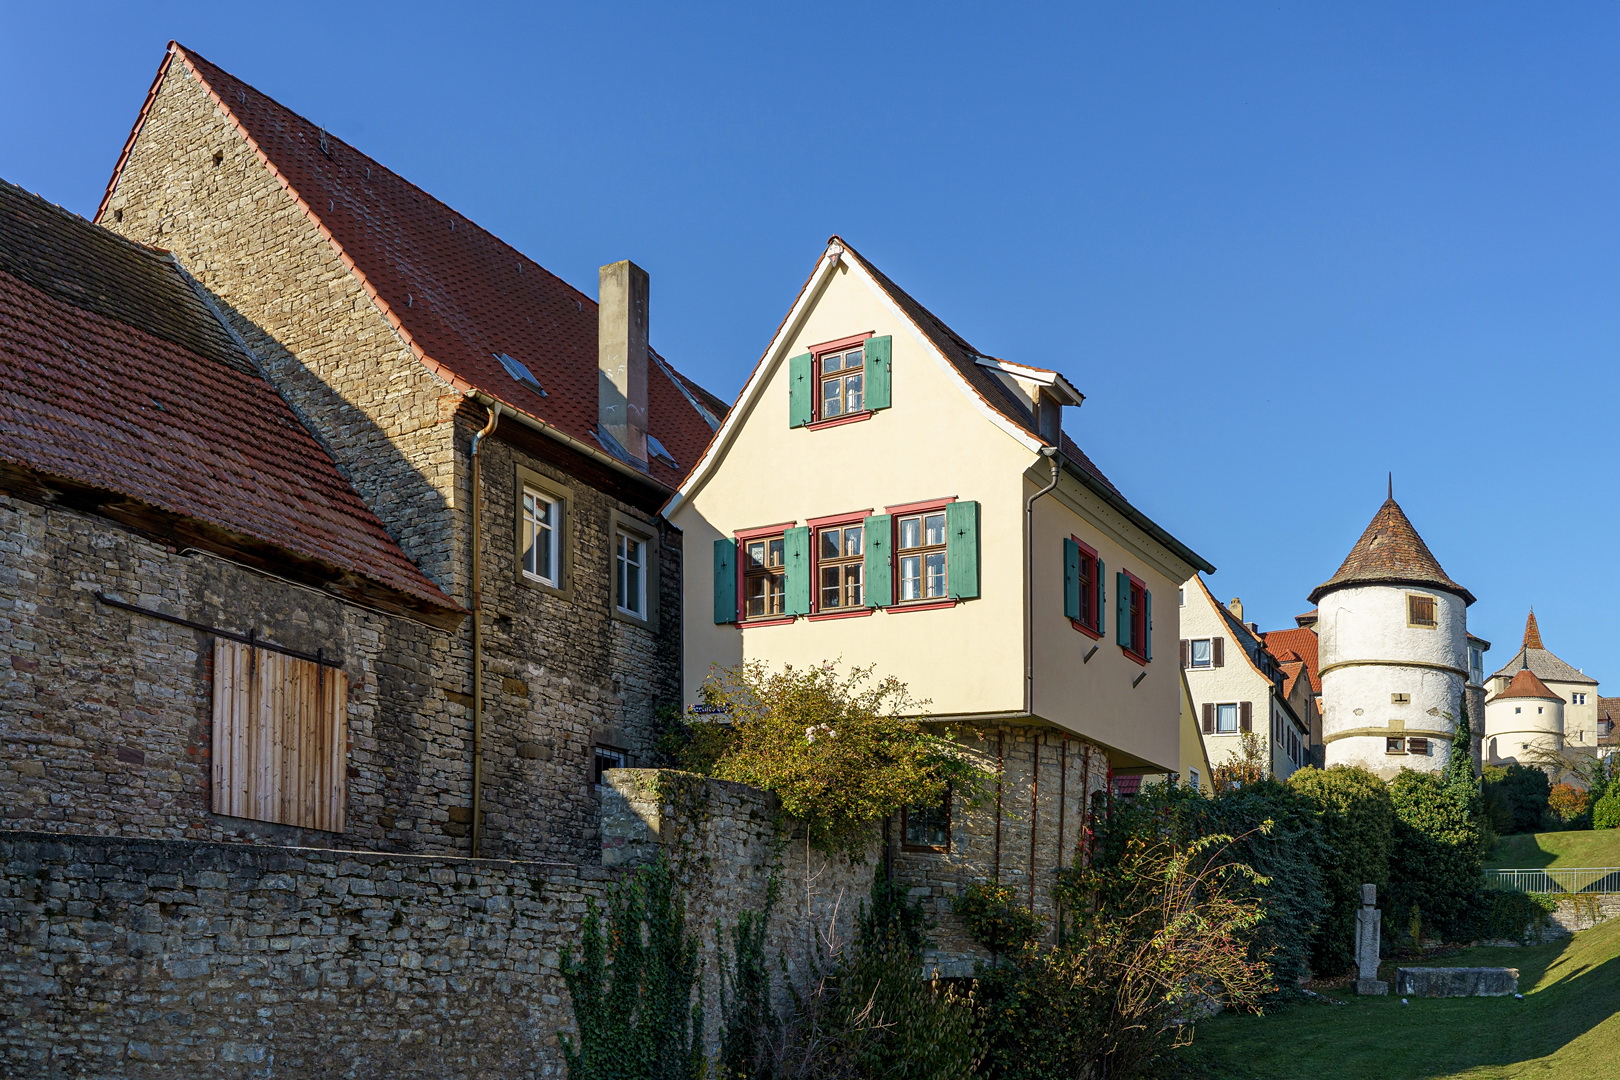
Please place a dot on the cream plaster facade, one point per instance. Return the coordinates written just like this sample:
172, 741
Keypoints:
1516, 726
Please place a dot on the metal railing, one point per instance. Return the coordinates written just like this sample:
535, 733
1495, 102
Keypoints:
1573, 879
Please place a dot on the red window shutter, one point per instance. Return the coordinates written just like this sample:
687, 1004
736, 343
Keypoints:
1209, 718
1217, 652
1246, 716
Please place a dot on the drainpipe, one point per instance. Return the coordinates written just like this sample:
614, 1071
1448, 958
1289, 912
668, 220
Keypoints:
1050, 452
478, 635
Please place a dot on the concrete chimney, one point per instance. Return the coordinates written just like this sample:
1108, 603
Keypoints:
622, 359
1236, 608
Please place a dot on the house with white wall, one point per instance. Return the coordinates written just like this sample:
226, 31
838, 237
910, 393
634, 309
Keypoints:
884, 493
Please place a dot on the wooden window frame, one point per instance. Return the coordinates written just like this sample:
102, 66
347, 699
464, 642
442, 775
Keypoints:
526, 481
766, 534
1394, 745
1237, 717
854, 518
1136, 650
647, 534
921, 511
817, 353
928, 849
1192, 663
1434, 608
1090, 621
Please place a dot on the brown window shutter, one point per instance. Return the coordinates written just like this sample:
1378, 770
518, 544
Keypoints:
1186, 653
1217, 651
1209, 717
1246, 716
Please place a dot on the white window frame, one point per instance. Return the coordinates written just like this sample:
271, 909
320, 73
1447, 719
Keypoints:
625, 570
1192, 654
1236, 719
550, 573
1577, 699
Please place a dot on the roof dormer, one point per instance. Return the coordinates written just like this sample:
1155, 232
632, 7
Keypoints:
1043, 392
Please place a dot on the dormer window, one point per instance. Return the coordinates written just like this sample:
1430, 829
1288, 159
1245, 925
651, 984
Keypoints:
1048, 417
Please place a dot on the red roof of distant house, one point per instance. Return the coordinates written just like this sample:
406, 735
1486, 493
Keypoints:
1301, 642
457, 294
1526, 684
121, 392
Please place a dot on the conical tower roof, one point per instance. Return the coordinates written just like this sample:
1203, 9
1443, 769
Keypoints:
1536, 657
1532, 632
1391, 552
1525, 684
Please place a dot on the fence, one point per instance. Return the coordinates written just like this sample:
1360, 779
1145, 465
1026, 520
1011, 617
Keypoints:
1601, 879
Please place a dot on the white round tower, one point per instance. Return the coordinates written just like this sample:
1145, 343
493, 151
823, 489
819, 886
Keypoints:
1523, 716
1393, 640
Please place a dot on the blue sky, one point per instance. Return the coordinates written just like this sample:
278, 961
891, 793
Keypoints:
1282, 247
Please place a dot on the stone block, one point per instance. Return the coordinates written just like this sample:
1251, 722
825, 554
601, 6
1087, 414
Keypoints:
1456, 982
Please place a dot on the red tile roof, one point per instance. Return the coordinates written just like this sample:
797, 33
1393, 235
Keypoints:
1391, 551
457, 294
1526, 684
120, 391
1300, 642
1532, 632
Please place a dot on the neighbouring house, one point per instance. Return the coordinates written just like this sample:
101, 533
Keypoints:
1608, 716
515, 436
1240, 689
1394, 650
884, 493
1540, 702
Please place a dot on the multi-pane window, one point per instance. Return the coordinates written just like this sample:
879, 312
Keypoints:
920, 555
927, 828
1476, 664
1200, 653
1226, 718
542, 517
1577, 699
1420, 610
842, 382
1137, 615
840, 555
608, 758
764, 577
631, 574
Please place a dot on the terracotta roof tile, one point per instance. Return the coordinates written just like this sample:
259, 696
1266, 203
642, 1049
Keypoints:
1390, 550
116, 378
458, 293
1300, 642
1535, 656
1526, 685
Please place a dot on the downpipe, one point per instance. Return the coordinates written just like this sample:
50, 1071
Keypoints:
478, 632
1051, 453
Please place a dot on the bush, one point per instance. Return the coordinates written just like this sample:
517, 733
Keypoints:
995, 919
1435, 869
1568, 803
1525, 791
1355, 821
1606, 811
1509, 914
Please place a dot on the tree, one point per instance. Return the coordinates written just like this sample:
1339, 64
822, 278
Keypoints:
1435, 868
841, 752
1606, 811
1356, 822
1525, 791
1249, 765
1568, 802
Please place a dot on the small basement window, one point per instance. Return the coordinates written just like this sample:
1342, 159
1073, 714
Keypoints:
607, 758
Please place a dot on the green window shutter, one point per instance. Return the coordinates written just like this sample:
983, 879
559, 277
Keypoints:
962, 549
879, 365
1147, 625
1071, 578
725, 580
1122, 608
1102, 576
800, 398
796, 559
879, 566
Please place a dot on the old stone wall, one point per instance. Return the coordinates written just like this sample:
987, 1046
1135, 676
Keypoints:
1028, 826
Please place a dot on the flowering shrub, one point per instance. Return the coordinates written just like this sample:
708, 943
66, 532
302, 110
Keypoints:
1568, 802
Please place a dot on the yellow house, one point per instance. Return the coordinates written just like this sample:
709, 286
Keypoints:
883, 493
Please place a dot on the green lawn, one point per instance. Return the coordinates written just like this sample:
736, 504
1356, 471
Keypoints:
1531, 851
1566, 1028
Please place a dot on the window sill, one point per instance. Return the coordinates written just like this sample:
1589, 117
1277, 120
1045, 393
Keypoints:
838, 421
784, 620
918, 849
630, 617
1095, 635
823, 616
1139, 658
541, 585
933, 605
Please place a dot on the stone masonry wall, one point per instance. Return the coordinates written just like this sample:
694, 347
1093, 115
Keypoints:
1048, 780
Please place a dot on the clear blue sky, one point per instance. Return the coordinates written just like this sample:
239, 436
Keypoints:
1282, 247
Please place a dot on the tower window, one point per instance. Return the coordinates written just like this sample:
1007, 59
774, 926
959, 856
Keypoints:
1417, 746
1395, 745
1420, 611
1577, 699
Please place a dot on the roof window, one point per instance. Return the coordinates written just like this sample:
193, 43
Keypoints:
522, 374
657, 450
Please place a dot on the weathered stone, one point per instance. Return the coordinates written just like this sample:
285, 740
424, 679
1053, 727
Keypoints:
1456, 982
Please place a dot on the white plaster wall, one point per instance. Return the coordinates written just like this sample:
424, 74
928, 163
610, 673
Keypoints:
1509, 734
1369, 623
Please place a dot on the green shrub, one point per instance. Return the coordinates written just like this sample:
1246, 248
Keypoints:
1356, 822
1606, 811
1437, 859
634, 989
995, 919
1510, 914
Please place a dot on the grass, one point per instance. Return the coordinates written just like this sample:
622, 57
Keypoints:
1531, 851
1567, 1026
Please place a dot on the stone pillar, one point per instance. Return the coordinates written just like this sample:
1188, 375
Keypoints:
1367, 939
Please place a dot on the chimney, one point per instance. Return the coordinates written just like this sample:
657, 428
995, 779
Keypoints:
1235, 606
621, 418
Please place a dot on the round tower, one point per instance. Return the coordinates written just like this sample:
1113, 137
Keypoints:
1393, 636
1523, 716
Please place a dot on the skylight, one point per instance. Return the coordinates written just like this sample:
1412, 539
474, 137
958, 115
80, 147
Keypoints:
522, 374
657, 450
